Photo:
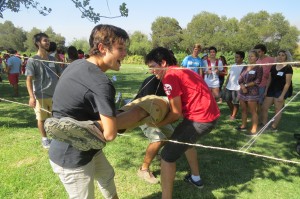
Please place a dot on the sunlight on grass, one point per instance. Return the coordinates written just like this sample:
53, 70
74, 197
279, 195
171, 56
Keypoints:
26, 172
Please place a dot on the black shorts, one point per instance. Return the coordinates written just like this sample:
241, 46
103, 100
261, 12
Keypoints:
187, 132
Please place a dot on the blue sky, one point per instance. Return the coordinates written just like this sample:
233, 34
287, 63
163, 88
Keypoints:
66, 20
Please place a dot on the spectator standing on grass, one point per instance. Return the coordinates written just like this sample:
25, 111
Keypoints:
213, 67
263, 59
278, 88
189, 97
249, 80
25, 59
42, 77
222, 75
14, 64
193, 61
231, 86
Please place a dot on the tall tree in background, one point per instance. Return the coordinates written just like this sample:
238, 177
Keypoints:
29, 45
166, 32
273, 30
139, 44
82, 44
204, 29
57, 38
84, 6
11, 37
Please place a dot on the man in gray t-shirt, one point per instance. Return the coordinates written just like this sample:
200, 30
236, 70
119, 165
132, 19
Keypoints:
42, 76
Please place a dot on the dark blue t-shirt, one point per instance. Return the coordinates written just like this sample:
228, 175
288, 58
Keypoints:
83, 92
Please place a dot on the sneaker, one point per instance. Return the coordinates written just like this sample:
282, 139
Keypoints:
199, 184
46, 143
82, 135
147, 176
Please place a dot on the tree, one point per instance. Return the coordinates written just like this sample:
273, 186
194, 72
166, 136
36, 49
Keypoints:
81, 44
205, 28
139, 44
273, 30
166, 32
11, 37
29, 45
84, 7
57, 38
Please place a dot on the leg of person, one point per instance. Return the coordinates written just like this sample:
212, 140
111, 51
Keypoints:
216, 93
156, 137
192, 158
168, 171
104, 175
41, 114
228, 99
191, 153
16, 90
253, 110
244, 107
144, 171
268, 102
235, 102
78, 182
278, 106
261, 101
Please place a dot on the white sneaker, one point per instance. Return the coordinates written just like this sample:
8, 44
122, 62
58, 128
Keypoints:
46, 143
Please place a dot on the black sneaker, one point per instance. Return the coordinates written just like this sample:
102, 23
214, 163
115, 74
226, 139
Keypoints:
198, 184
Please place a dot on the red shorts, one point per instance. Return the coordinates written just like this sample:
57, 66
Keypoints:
13, 78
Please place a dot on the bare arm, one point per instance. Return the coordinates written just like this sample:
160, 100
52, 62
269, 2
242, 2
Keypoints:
32, 101
175, 112
109, 126
286, 86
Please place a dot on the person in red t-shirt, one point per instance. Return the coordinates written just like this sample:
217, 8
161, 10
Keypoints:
190, 97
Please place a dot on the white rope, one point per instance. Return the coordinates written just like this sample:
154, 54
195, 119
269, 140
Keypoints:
252, 140
237, 151
5, 100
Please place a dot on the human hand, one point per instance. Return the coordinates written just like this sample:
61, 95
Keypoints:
32, 102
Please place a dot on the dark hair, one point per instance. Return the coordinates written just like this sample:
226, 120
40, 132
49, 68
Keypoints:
79, 51
223, 59
52, 46
212, 48
72, 53
107, 35
38, 38
254, 52
241, 54
160, 53
261, 47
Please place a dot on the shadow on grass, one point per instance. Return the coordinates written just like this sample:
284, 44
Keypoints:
23, 116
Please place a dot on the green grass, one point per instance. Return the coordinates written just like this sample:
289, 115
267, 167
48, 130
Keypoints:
26, 172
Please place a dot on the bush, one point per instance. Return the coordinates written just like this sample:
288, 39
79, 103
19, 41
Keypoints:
134, 59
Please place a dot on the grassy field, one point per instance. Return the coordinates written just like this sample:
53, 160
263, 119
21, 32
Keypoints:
26, 173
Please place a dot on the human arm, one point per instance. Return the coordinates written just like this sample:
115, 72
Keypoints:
109, 127
174, 114
32, 100
286, 87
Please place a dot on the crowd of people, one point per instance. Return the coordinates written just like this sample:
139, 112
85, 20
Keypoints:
82, 122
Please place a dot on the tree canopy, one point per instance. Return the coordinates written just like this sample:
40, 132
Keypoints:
208, 29
84, 7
